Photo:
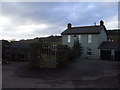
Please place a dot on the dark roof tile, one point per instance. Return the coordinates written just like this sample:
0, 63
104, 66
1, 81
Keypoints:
110, 45
83, 30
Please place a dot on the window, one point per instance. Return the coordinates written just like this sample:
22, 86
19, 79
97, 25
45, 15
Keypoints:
89, 38
69, 38
89, 52
75, 37
79, 37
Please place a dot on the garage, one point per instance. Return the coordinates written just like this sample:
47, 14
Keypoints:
105, 54
117, 56
110, 51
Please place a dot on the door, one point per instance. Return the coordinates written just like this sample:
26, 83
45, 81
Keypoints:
105, 54
117, 55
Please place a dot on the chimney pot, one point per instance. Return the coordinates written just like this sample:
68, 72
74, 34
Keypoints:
69, 25
101, 23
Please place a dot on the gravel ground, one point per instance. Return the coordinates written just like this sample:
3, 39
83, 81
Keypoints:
81, 74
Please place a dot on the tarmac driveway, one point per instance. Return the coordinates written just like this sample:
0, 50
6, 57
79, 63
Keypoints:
81, 74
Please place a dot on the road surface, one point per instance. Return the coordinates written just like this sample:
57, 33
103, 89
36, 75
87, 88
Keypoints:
81, 74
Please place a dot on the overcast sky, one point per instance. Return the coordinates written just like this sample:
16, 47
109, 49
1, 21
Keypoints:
25, 20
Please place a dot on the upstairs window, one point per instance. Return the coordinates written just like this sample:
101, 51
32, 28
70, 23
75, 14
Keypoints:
69, 38
75, 38
79, 38
89, 38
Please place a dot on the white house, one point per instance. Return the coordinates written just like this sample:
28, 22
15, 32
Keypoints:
90, 37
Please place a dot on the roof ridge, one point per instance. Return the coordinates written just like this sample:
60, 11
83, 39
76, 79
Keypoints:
83, 30
86, 26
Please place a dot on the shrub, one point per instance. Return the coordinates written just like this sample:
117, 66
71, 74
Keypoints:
35, 55
77, 48
39, 54
62, 56
72, 54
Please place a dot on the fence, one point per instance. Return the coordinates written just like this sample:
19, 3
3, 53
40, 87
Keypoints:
48, 56
49, 50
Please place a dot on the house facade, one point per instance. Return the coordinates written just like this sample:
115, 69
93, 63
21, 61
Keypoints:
90, 38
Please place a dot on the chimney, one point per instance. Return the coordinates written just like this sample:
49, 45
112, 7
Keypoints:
101, 23
69, 25
95, 23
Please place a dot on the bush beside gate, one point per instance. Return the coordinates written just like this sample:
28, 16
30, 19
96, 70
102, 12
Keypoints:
50, 55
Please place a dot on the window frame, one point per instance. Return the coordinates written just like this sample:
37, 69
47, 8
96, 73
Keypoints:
89, 37
69, 38
79, 38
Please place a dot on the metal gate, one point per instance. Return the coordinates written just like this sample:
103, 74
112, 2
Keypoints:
48, 56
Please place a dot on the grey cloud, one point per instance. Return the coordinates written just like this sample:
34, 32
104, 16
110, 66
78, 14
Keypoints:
54, 12
58, 14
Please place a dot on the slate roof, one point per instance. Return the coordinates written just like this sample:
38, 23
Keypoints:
83, 30
110, 45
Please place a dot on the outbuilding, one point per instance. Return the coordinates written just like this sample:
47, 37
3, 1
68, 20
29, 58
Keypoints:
110, 50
